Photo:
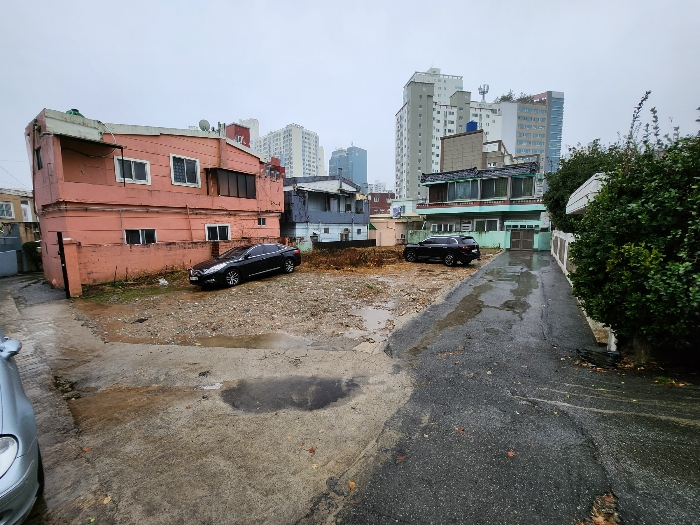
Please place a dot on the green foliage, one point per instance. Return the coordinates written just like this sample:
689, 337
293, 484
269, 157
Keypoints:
31, 249
637, 252
511, 97
580, 164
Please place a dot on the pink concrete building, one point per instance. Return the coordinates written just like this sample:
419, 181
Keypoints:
135, 199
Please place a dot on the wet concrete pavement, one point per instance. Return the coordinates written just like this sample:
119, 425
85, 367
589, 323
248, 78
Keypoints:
162, 434
503, 427
476, 413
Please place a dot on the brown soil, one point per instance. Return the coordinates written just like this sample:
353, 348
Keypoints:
316, 303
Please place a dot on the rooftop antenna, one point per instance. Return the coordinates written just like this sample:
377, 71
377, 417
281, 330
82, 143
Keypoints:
482, 91
204, 125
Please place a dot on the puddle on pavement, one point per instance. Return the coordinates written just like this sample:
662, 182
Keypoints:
116, 406
517, 306
468, 308
530, 260
600, 359
102, 309
374, 319
273, 340
301, 393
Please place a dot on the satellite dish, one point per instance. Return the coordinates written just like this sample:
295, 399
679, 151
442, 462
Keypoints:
204, 125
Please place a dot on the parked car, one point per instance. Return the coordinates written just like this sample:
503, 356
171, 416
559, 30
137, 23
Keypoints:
449, 249
244, 262
21, 471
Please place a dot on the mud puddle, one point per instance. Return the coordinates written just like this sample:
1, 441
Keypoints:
115, 406
301, 393
373, 318
275, 341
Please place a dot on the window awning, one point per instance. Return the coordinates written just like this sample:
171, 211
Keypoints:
371, 226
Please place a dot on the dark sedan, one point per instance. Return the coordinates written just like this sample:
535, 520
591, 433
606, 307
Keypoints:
449, 249
244, 262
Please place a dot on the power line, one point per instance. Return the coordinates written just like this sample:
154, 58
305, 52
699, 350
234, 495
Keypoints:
11, 175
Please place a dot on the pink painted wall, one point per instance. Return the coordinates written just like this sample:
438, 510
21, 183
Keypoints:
77, 193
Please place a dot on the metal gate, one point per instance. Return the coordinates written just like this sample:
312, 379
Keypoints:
522, 239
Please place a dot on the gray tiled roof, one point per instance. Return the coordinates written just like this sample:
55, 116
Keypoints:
474, 173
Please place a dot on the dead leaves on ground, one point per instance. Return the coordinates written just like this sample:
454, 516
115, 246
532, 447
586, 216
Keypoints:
604, 511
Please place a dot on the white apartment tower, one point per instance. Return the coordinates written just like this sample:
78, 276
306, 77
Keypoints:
434, 105
254, 126
297, 148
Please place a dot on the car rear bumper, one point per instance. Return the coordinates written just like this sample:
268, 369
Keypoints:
470, 255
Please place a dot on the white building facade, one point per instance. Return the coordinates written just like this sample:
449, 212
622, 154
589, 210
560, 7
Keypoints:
434, 105
297, 148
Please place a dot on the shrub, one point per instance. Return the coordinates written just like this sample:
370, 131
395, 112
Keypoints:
637, 250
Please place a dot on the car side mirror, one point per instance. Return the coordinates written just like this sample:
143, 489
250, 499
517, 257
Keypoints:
10, 347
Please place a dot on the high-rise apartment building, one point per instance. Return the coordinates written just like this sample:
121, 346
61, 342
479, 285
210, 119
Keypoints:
377, 187
351, 163
297, 148
434, 105
526, 128
555, 115
254, 126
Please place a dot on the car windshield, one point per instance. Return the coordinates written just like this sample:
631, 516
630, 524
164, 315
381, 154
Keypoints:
234, 253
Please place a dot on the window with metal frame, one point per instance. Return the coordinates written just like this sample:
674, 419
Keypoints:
523, 187
262, 221
234, 184
140, 236
6, 210
184, 170
494, 188
463, 190
218, 232
486, 225
132, 170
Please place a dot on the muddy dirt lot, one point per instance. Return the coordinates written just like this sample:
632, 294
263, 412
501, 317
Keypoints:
233, 405
316, 308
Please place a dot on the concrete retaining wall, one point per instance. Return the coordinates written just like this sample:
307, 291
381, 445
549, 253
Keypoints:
8, 263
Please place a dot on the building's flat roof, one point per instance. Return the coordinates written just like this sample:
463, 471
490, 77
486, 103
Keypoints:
19, 193
474, 173
75, 126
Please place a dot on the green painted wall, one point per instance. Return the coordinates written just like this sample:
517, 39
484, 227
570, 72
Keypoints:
499, 239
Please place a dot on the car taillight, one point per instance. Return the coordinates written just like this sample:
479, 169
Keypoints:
296, 251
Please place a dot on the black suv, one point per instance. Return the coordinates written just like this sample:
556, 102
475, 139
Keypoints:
449, 249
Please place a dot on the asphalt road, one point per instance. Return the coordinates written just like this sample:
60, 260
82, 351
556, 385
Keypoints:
504, 428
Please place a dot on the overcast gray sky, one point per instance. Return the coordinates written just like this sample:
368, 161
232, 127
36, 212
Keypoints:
338, 68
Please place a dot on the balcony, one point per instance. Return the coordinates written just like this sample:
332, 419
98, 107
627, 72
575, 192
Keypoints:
489, 202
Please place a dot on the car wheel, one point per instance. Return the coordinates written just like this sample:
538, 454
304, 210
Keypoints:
233, 277
450, 259
288, 265
410, 256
